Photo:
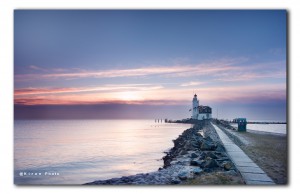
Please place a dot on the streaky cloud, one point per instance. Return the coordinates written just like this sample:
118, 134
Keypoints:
245, 93
229, 70
192, 83
183, 70
102, 88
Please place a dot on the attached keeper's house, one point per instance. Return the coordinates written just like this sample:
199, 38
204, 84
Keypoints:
200, 112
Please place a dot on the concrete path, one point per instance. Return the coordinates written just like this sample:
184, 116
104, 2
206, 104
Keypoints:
251, 173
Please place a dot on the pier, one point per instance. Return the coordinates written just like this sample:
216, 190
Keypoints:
158, 120
250, 171
254, 122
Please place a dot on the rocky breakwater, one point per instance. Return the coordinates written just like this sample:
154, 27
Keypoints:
196, 152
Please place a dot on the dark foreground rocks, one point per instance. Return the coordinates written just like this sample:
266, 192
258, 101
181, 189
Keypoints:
196, 152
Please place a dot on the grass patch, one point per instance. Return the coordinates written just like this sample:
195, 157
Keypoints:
215, 178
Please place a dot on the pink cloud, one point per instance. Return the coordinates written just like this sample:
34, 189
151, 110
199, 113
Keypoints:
184, 70
102, 88
192, 83
246, 76
220, 70
36, 68
146, 95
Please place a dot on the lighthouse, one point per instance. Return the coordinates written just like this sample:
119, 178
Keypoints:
195, 107
200, 112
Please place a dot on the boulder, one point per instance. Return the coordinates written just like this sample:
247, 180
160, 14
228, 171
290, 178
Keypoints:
183, 152
222, 159
228, 165
195, 144
202, 163
187, 144
193, 155
199, 141
194, 163
231, 172
220, 148
202, 156
207, 146
210, 163
218, 153
207, 170
197, 171
211, 155
183, 175
175, 181
208, 139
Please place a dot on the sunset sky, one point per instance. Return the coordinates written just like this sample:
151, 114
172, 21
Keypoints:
148, 64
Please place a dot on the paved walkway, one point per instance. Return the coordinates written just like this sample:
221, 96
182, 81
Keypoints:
251, 173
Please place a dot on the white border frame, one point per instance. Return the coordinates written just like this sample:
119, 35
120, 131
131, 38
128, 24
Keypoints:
6, 85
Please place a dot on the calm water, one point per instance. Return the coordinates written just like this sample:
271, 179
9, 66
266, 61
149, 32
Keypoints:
80, 151
273, 128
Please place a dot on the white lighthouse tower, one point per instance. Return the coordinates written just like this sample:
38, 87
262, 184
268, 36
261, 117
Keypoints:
195, 107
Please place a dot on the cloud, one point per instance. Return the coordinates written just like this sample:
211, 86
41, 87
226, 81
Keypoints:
102, 88
192, 83
256, 71
183, 70
155, 95
195, 77
219, 70
37, 68
246, 76
50, 101
243, 94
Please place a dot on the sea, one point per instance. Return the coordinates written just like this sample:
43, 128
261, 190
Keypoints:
269, 128
55, 152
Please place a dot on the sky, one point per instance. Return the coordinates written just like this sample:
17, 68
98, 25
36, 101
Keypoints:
138, 64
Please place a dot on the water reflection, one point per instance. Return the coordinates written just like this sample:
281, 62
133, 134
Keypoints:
86, 150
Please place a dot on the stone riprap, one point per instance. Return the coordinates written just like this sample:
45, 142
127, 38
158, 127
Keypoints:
193, 154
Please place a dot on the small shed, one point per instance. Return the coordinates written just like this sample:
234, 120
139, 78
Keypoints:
242, 124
